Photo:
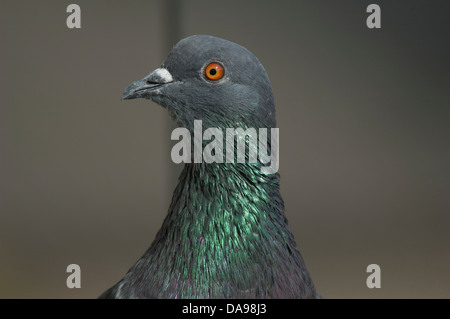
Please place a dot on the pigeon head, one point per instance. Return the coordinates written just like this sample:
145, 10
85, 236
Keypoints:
210, 79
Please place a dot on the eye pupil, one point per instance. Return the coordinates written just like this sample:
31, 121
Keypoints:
213, 72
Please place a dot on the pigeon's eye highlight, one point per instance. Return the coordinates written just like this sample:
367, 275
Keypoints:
214, 71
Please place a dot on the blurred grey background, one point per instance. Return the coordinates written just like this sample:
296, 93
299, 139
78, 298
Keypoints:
364, 135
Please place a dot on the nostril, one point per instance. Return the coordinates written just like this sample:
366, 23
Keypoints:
152, 81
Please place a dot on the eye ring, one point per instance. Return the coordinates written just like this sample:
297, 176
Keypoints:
214, 71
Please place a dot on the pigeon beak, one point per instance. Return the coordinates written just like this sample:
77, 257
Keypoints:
148, 86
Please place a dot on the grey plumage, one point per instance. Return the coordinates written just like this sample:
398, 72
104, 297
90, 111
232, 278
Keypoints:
226, 234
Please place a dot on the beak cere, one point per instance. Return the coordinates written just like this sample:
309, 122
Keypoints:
148, 86
163, 74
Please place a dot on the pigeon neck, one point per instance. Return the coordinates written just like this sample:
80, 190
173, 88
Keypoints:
214, 198
225, 236
212, 189
224, 216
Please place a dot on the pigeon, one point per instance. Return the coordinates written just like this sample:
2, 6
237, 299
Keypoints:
226, 234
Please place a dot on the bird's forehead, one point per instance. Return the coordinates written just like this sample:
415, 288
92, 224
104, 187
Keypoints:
193, 52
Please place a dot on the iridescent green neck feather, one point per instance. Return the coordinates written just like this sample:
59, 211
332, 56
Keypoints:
225, 236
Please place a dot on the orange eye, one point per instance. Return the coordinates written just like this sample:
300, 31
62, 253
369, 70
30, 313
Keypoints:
214, 71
